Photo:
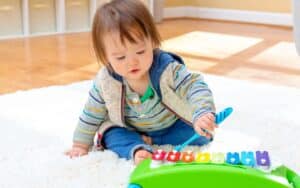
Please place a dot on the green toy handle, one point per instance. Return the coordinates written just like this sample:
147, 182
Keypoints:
288, 174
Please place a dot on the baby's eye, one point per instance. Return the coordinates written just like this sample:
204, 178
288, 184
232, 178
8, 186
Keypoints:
140, 52
121, 58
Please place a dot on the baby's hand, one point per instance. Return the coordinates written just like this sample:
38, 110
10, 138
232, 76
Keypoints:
141, 155
206, 122
77, 150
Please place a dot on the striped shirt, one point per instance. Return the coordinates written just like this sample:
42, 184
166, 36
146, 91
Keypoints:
151, 114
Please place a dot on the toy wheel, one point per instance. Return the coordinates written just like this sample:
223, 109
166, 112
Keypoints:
134, 186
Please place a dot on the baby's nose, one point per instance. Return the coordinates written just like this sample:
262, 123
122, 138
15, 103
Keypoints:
134, 61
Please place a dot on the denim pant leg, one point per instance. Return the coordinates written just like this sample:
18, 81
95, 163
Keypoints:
177, 134
124, 142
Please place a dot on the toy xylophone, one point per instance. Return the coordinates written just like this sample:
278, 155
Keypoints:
215, 170
259, 159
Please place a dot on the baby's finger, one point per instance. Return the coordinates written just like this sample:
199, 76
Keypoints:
215, 125
207, 125
75, 154
200, 131
67, 152
80, 154
70, 153
206, 119
211, 116
206, 133
211, 124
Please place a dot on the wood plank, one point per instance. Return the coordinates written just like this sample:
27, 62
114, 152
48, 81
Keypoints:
259, 53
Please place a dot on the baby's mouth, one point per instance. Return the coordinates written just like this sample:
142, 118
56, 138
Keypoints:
134, 70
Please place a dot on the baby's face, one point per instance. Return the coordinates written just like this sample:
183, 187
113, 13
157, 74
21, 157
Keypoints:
131, 61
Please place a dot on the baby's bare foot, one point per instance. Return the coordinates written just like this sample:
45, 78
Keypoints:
141, 155
147, 139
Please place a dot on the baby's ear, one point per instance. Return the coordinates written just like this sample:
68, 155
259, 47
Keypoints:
154, 46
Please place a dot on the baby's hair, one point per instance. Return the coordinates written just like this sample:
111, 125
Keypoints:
130, 18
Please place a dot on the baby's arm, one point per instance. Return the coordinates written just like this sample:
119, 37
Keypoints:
192, 88
94, 113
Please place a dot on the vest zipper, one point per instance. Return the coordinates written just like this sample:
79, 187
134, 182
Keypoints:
123, 100
123, 103
166, 106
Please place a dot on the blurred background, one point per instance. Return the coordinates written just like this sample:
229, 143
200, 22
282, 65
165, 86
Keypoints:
47, 42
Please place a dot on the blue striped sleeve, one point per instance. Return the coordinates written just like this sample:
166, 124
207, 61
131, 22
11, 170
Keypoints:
191, 87
92, 116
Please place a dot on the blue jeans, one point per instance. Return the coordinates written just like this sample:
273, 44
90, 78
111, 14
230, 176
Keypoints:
125, 142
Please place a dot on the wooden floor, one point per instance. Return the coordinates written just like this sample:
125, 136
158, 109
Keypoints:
259, 53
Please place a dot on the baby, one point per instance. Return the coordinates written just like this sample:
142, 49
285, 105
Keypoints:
142, 95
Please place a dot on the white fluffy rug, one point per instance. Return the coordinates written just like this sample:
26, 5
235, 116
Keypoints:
36, 128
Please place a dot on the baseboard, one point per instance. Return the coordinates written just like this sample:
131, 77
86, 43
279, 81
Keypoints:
281, 19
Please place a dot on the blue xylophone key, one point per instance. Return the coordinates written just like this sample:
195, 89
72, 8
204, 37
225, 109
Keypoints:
248, 159
233, 158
